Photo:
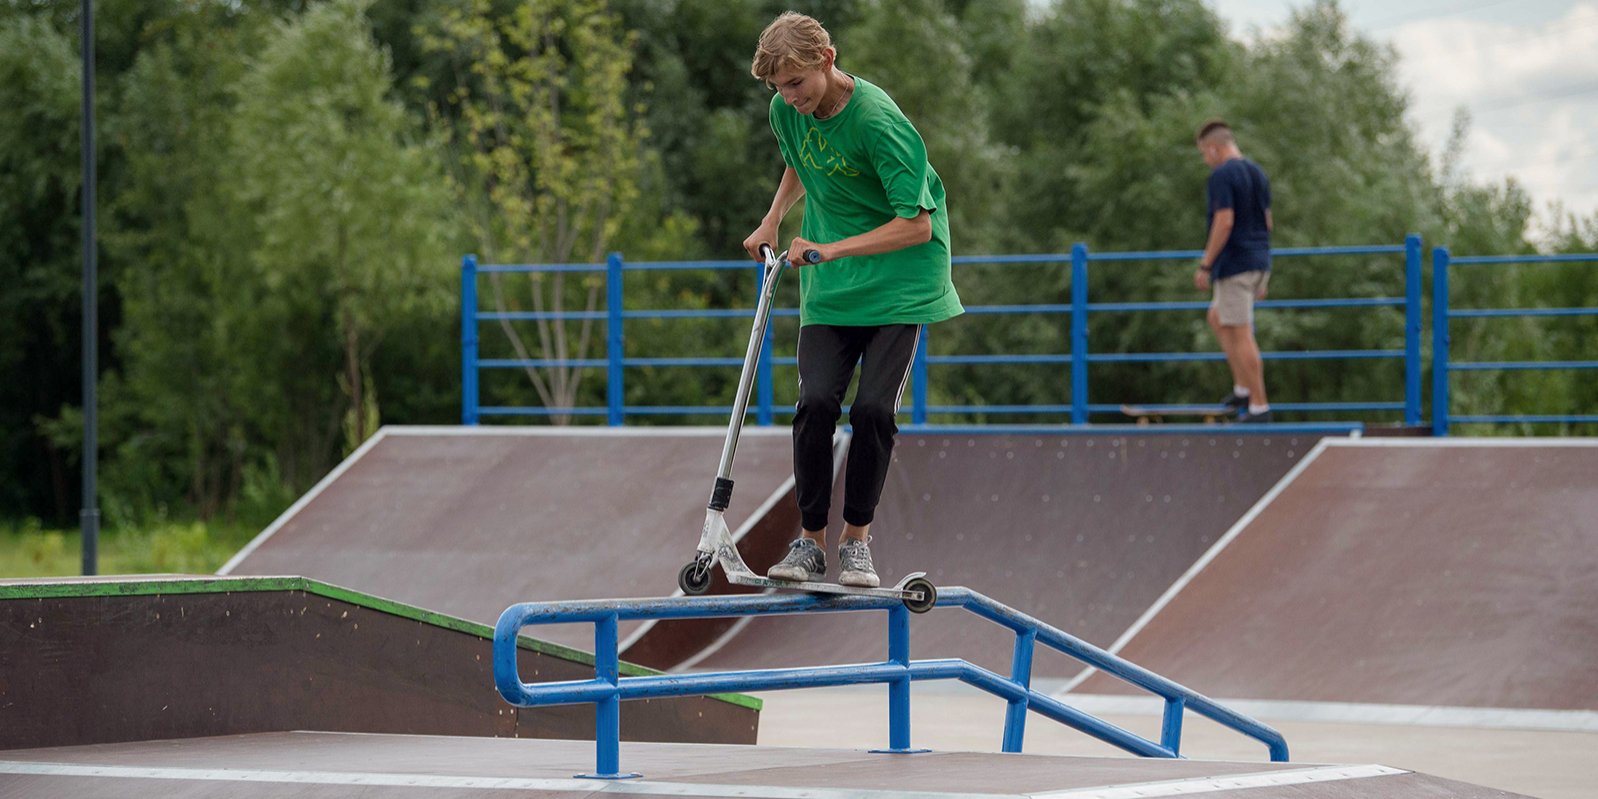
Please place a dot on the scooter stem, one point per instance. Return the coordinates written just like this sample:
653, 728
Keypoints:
746, 379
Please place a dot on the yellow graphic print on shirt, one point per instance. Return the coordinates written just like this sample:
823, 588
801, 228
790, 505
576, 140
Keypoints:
816, 154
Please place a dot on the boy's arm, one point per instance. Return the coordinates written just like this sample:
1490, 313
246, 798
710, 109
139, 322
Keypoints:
895, 234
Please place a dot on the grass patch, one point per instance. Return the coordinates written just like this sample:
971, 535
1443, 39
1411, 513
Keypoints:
27, 549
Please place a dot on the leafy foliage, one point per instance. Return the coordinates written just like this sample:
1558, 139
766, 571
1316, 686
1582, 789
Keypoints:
286, 188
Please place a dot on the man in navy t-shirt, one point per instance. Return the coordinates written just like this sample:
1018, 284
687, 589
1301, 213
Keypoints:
1236, 262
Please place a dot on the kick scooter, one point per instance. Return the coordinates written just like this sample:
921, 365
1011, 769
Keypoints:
716, 545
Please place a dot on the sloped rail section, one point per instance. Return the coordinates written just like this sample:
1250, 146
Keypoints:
607, 690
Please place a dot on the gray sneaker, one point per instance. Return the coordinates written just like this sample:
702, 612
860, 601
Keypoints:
805, 561
857, 568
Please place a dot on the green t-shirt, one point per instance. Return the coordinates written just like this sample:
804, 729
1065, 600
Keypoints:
860, 169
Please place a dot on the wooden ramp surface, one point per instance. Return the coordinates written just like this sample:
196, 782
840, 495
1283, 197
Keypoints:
327, 765
1456, 573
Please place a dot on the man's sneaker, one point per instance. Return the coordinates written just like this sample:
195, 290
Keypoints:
857, 568
1263, 417
1235, 402
805, 561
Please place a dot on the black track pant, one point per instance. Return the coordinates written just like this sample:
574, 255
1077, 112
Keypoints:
827, 358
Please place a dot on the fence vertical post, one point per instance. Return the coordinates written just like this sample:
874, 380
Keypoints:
918, 379
1021, 673
615, 342
1079, 333
763, 376
1440, 341
1412, 326
469, 340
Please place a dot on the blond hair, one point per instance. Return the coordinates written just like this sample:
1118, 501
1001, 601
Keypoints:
791, 41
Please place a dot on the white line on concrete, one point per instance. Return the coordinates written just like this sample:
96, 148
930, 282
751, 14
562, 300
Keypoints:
571, 786
1198, 566
1187, 787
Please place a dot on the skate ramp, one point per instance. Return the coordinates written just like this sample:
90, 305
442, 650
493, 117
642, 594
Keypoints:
470, 520
1454, 573
1084, 531
99, 660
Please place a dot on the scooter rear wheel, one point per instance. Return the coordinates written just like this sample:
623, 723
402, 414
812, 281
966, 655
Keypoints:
929, 595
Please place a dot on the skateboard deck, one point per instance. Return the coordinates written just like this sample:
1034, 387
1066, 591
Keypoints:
1156, 414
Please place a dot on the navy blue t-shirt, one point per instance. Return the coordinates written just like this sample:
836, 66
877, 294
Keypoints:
1240, 184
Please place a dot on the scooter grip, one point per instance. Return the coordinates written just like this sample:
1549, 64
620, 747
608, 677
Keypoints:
812, 256
766, 252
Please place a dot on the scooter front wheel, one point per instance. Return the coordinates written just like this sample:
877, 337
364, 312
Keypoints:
694, 579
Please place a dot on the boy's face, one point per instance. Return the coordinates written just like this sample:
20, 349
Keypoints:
803, 89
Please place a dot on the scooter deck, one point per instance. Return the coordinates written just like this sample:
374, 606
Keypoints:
817, 587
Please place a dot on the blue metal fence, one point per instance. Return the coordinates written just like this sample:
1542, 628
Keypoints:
608, 688
1075, 363
1443, 312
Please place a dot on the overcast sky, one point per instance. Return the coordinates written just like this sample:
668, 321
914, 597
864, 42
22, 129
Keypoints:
1526, 70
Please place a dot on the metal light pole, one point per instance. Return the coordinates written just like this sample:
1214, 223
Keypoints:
89, 516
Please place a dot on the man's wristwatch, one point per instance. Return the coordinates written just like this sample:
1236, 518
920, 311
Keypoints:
1201, 265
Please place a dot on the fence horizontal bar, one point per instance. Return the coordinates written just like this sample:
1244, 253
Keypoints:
667, 266
695, 410
1574, 258
540, 363
1287, 252
1041, 258
1353, 302
999, 409
703, 313
536, 316
1527, 418
528, 268
1489, 313
958, 359
682, 362
1305, 407
1493, 366
1311, 355
1016, 309
533, 410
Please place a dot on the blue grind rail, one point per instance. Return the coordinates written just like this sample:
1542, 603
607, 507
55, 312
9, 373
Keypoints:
608, 689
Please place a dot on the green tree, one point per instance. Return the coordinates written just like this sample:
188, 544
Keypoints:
40, 258
350, 214
549, 160
178, 418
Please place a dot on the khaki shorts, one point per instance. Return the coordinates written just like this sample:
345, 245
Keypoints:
1234, 296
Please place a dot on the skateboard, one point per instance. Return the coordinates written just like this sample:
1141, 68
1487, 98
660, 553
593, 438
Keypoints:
1156, 414
716, 545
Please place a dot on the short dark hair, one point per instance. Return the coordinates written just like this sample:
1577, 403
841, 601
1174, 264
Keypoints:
1214, 125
